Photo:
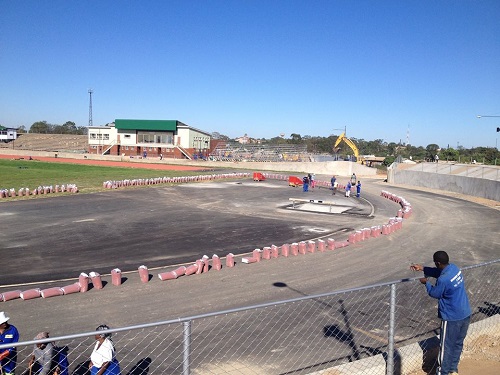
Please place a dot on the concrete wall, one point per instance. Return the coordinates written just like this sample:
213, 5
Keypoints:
473, 186
338, 168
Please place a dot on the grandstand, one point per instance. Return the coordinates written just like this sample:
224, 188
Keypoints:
49, 142
235, 151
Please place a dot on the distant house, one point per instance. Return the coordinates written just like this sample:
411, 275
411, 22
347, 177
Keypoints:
243, 140
149, 138
7, 134
246, 140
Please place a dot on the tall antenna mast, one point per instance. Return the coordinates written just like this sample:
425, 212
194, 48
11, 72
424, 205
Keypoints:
90, 107
408, 136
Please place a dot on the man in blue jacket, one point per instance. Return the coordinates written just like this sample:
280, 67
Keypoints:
453, 309
8, 334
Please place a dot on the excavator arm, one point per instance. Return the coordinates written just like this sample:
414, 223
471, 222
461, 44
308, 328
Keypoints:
350, 143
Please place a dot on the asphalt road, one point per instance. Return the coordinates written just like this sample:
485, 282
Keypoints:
59, 238
163, 226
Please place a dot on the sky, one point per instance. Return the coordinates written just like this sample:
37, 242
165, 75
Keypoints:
412, 70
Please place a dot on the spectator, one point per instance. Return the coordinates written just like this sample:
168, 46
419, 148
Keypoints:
358, 189
313, 180
353, 179
43, 359
102, 359
436, 158
334, 184
348, 189
8, 334
453, 309
305, 184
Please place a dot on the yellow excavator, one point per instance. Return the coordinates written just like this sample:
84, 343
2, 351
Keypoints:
350, 143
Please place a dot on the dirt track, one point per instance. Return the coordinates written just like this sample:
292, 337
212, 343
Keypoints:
105, 163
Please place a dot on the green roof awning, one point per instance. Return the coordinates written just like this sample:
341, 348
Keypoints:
161, 125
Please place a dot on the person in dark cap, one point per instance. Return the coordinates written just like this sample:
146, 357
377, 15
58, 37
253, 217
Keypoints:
453, 309
8, 334
102, 359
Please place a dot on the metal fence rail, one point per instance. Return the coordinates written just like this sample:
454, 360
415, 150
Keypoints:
298, 336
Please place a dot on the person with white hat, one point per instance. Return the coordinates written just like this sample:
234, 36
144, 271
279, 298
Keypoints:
8, 334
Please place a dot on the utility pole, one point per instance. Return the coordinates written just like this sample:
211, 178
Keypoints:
90, 107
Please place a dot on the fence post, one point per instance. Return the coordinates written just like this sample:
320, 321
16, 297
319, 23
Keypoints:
187, 348
392, 322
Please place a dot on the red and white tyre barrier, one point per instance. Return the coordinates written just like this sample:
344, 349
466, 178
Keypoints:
143, 273
248, 260
30, 294
172, 274
311, 246
340, 244
331, 244
116, 276
190, 270
96, 279
216, 262
274, 251
51, 292
206, 263
302, 247
230, 260
10, 295
72, 288
257, 253
199, 263
321, 245
83, 280
285, 250
266, 253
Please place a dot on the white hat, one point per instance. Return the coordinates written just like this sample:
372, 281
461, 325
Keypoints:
3, 317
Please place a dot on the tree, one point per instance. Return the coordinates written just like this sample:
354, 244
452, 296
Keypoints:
222, 137
392, 149
277, 141
69, 127
21, 129
82, 130
431, 151
295, 138
449, 154
40, 127
388, 160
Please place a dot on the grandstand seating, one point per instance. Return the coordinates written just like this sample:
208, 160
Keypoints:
49, 142
234, 151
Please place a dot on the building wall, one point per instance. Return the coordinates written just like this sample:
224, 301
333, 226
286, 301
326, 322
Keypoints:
8, 134
477, 187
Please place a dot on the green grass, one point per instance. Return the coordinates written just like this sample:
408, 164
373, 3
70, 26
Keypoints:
31, 174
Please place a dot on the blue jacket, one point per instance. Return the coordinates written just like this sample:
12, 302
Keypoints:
10, 335
453, 303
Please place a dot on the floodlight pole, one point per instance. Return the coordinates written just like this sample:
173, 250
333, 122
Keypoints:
90, 107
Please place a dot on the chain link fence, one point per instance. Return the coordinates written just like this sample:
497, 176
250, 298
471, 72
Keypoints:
388, 328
